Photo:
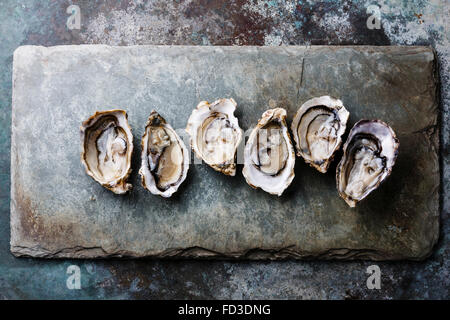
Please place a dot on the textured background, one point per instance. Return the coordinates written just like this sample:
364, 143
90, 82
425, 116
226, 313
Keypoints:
225, 23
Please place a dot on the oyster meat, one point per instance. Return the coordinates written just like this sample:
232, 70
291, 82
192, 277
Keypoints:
164, 157
317, 128
215, 134
107, 146
369, 155
269, 157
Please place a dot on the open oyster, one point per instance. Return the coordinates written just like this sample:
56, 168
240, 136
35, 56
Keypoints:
107, 146
164, 157
369, 155
269, 156
317, 129
215, 134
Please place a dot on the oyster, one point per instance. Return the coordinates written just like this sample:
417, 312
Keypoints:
269, 156
317, 128
164, 157
107, 146
215, 134
369, 155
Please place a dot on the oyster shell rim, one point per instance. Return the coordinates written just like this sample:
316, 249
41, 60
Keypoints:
228, 169
186, 161
389, 166
266, 117
119, 185
331, 103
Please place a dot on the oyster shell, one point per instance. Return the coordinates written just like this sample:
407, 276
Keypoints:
164, 157
269, 157
369, 155
215, 134
107, 146
317, 128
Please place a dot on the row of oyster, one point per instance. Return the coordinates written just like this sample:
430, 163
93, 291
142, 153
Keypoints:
107, 147
269, 156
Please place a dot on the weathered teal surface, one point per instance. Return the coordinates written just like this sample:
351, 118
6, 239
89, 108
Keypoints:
234, 22
58, 211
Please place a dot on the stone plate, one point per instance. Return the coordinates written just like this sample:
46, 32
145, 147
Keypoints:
59, 211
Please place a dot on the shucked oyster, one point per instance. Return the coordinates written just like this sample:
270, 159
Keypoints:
317, 129
164, 157
107, 146
215, 134
269, 156
369, 155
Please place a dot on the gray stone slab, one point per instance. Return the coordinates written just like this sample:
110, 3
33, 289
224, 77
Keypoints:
58, 211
